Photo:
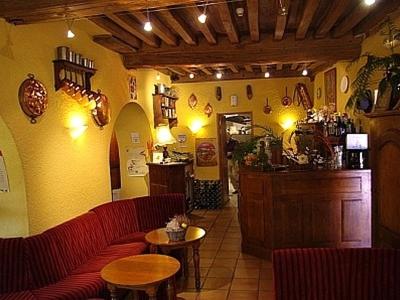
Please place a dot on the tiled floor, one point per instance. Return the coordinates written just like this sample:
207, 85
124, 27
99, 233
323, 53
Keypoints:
226, 273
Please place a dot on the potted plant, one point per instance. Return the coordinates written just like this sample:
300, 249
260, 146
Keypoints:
361, 98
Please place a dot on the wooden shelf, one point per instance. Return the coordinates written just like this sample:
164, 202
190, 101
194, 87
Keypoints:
385, 113
164, 113
165, 95
72, 68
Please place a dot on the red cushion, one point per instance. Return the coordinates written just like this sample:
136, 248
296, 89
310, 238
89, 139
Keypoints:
14, 272
45, 261
27, 295
154, 211
117, 219
79, 239
109, 254
76, 287
131, 238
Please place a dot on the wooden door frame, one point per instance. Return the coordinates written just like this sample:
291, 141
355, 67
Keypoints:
223, 170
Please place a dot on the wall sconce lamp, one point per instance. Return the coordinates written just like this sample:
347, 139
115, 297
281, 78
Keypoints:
195, 126
77, 126
164, 138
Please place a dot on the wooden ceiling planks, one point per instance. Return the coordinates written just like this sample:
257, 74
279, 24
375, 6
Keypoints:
179, 26
228, 22
205, 28
307, 16
113, 43
337, 9
253, 17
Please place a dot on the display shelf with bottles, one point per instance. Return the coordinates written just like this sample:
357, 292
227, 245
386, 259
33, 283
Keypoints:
164, 107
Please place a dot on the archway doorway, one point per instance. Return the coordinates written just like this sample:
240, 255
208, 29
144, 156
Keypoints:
127, 148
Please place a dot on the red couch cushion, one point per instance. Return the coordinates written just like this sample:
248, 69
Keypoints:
79, 239
27, 295
45, 260
14, 272
117, 219
154, 211
76, 287
109, 254
133, 237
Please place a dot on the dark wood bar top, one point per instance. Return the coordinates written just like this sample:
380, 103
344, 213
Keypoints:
304, 208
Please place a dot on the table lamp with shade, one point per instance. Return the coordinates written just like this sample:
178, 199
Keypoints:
164, 138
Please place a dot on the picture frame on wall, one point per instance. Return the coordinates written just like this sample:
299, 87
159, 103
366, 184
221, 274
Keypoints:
330, 88
132, 88
206, 152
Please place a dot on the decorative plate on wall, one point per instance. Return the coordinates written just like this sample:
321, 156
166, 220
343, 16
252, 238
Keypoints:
344, 84
32, 97
101, 112
192, 101
208, 110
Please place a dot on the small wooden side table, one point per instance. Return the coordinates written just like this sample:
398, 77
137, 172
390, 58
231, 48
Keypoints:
141, 272
159, 239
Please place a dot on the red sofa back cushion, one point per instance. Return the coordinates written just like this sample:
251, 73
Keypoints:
14, 272
79, 239
154, 211
117, 219
45, 259
319, 274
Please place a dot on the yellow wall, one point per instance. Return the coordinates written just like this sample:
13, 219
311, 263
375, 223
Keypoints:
274, 89
63, 177
132, 119
13, 209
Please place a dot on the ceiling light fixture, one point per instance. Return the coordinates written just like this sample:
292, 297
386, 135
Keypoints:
240, 11
305, 72
70, 33
283, 8
267, 75
203, 17
369, 2
191, 75
147, 26
218, 75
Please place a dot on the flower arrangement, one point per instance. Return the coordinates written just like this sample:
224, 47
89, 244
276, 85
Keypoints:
176, 227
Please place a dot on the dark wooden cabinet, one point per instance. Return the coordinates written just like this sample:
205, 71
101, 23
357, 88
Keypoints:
385, 164
176, 177
304, 209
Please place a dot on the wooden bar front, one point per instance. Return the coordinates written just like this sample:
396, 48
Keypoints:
299, 209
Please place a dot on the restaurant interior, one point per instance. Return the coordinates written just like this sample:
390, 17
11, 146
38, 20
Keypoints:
186, 149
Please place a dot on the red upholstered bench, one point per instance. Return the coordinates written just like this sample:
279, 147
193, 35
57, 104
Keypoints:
337, 274
64, 262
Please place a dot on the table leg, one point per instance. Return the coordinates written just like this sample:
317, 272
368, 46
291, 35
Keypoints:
152, 293
196, 261
113, 291
184, 263
171, 289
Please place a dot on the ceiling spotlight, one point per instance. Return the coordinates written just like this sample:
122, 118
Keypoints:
203, 17
267, 75
147, 26
218, 75
305, 72
191, 75
369, 2
70, 33
240, 11
283, 8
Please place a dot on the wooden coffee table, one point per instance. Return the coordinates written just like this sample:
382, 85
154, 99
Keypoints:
141, 272
159, 239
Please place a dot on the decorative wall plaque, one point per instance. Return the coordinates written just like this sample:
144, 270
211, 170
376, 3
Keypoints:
101, 112
208, 110
330, 87
192, 101
32, 97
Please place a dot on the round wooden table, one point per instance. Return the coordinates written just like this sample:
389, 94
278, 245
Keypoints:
159, 239
141, 272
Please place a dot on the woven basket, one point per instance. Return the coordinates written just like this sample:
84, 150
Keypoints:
176, 235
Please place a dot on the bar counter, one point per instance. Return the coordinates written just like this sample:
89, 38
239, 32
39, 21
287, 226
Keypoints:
297, 209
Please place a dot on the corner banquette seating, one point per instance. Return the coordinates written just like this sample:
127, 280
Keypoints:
337, 274
64, 262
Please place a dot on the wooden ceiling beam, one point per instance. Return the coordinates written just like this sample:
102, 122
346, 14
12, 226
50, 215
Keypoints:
179, 26
241, 76
336, 11
248, 68
383, 10
187, 70
159, 28
308, 14
281, 21
253, 18
114, 44
131, 26
294, 66
176, 71
205, 28
233, 68
264, 68
117, 31
25, 12
279, 66
266, 51
206, 71
352, 19
227, 22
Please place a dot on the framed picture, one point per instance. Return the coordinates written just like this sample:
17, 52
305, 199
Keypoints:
330, 88
132, 88
206, 152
